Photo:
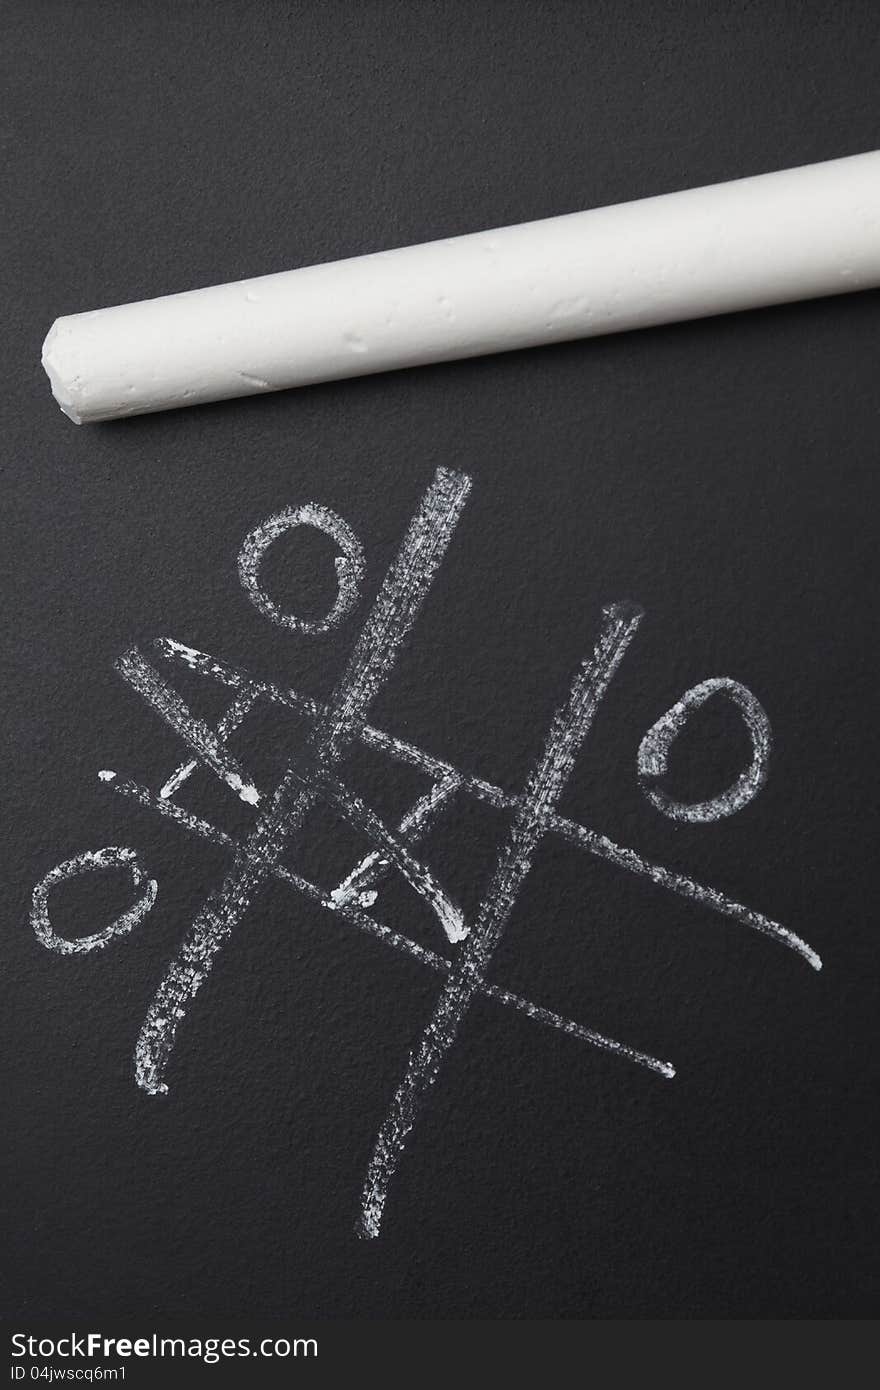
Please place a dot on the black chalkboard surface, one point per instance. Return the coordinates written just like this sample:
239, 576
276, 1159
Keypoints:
598, 528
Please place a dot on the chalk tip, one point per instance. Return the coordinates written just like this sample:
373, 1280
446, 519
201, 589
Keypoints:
54, 370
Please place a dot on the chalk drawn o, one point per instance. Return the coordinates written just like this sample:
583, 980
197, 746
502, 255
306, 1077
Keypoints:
653, 755
93, 860
349, 565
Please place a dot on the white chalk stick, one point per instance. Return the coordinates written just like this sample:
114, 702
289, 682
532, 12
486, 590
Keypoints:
792, 235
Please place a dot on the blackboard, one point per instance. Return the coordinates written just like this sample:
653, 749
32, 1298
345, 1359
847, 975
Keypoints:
720, 475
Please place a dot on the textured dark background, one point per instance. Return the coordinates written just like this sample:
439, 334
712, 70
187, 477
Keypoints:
722, 473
